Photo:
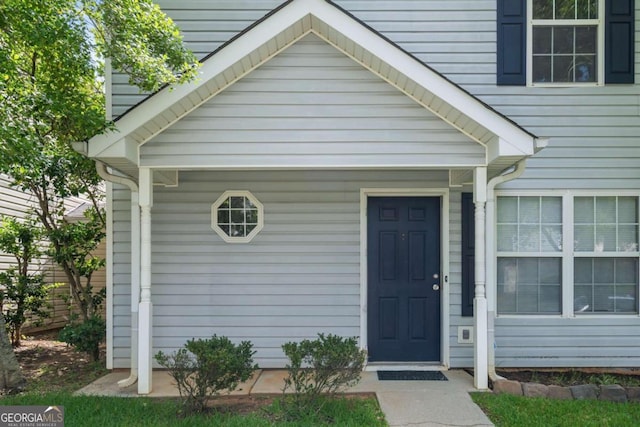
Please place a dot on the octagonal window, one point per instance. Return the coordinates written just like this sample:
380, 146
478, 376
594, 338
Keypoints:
237, 216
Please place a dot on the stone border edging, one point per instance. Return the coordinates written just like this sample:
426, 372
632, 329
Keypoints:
611, 393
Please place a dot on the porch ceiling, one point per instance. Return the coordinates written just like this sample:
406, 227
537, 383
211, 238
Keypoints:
506, 142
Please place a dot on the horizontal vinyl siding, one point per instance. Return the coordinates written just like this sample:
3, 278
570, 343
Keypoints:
456, 38
15, 204
582, 342
593, 136
57, 310
311, 106
299, 276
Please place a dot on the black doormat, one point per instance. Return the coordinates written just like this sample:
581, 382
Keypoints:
411, 376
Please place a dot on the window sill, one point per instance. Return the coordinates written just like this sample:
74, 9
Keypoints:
565, 85
572, 317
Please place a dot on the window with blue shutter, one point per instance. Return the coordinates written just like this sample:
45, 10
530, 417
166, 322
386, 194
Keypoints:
512, 49
563, 37
619, 46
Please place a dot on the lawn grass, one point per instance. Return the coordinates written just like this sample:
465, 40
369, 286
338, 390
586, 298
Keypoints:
98, 411
507, 410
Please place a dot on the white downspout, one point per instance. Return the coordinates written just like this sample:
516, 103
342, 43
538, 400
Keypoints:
135, 263
490, 247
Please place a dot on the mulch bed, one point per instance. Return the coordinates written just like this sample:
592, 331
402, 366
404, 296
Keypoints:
570, 377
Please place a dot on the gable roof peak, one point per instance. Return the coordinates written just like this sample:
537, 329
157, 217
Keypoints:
283, 27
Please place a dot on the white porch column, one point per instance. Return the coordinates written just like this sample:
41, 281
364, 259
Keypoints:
480, 361
145, 308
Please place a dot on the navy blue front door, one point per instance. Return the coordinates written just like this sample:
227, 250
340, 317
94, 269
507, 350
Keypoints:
404, 279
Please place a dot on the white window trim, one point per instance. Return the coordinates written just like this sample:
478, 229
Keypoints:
571, 22
567, 253
221, 232
529, 254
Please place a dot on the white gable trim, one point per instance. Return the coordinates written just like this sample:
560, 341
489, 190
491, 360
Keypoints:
284, 27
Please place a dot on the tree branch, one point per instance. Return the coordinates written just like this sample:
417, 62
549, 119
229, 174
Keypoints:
34, 64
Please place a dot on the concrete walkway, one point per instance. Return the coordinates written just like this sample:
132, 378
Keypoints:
404, 403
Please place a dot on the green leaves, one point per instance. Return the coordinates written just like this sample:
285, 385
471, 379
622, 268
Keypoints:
50, 97
77, 241
22, 291
51, 86
52, 74
327, 364
141, 41
52, 94
85, 336
204, 368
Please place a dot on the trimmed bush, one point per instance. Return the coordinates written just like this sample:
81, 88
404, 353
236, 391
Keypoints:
326, 365
205, 367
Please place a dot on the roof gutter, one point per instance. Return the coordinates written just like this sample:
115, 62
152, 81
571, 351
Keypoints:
135, 266
490, 246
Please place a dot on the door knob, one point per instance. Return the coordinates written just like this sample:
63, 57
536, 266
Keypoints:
436, 287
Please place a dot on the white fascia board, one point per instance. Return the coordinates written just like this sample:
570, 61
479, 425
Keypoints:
306, 166
422, 75
500, 147
541, 143
101, 142
125, 148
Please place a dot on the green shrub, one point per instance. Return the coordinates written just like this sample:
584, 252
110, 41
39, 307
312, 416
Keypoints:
23, 293
85, 336
203, 368
325, 365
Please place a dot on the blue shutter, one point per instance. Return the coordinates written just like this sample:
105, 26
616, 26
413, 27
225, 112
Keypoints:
468, 252
511, 42
619, 41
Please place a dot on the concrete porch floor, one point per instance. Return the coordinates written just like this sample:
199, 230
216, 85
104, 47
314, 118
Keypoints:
404, 403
